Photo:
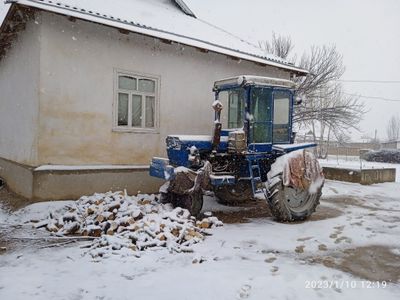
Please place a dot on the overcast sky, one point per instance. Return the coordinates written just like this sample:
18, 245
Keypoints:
366, 32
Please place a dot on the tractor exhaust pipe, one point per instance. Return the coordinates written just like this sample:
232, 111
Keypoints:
217, 106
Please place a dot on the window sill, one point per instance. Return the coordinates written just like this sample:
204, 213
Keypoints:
135, 130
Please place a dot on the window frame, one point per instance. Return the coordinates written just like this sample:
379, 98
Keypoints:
290, 110
227, 108
156, 95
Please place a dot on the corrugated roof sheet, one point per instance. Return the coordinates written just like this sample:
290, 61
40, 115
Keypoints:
162, 19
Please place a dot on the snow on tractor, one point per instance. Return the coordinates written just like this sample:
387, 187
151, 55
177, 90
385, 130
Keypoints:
251, 152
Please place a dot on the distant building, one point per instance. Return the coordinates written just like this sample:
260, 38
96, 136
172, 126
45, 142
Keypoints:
391, 145
89, 90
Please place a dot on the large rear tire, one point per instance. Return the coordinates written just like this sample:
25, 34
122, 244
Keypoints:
289, 204
234, 194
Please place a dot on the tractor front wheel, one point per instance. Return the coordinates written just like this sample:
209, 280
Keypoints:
289, 204
193, 202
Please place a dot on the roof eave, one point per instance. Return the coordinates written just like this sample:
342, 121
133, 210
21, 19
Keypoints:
153, 32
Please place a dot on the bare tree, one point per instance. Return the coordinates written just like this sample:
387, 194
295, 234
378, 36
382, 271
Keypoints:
325, 65
393, 128
326, 110
280, 46
343, 138
329, 114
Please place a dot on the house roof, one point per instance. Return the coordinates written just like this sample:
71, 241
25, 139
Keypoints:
165, 19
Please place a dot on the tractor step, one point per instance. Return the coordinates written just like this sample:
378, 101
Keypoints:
255, 177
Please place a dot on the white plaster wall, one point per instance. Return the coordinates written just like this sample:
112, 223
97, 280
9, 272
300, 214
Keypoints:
78, 61
19, 94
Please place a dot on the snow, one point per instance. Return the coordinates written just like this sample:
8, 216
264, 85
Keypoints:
36, 211
137, 223
249, 116
162, 19
3, 11
255, 260
216, 104
193, 150
315, 185
182, 169
259, 80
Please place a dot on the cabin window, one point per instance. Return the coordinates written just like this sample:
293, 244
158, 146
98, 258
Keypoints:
260, 115
232, 114
281, 131
136, 102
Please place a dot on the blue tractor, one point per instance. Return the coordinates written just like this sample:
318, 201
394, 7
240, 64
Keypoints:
250, 153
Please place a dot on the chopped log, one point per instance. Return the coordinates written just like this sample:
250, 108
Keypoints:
100, 218
71, 228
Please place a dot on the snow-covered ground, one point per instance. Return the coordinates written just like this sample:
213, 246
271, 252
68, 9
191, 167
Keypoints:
351, 238
354, 162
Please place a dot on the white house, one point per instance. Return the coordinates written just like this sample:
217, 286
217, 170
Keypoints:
89, 90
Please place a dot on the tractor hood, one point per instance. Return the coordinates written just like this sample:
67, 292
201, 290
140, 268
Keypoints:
180, 147
201, 142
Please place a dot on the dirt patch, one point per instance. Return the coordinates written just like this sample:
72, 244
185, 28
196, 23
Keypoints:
375, 263
389, 219
19, 237
299, 249
304, 239
15, 237
252, 210
322, 213
260, 209
325, 212
353, 201
12, 202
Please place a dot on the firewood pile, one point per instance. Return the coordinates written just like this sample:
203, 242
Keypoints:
127, 225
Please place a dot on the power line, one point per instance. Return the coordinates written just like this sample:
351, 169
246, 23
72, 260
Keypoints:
373, 97
369, 81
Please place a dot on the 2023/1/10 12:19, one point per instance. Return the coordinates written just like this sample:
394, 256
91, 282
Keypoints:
344, 284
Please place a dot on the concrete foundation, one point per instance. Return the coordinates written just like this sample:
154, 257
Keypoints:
366, 176
59, 184
17, 177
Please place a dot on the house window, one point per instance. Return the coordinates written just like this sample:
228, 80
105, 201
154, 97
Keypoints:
136, 106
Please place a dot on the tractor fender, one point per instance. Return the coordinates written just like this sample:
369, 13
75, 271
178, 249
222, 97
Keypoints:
300, 169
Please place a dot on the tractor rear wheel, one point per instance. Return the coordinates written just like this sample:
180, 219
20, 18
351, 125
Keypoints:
193, 202
234, 194
289, 204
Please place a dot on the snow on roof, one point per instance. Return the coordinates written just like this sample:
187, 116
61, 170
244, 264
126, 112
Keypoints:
251, 79
165, 19
3, 11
